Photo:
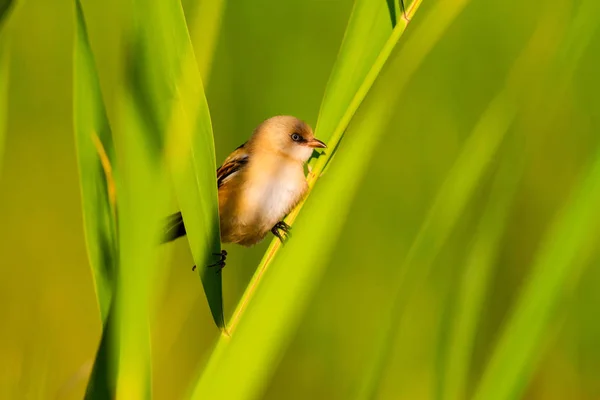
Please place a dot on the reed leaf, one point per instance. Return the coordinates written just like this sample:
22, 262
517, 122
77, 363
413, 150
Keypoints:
142, 198
96, 158
173, 86
96, 161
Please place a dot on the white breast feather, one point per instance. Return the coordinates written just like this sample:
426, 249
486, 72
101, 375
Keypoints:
270, 199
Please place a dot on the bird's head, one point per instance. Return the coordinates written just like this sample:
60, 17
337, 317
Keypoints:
287, 135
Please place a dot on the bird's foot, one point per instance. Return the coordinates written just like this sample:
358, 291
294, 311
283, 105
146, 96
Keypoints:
282, 231
220, 263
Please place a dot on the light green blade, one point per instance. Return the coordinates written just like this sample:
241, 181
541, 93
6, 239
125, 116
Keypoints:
141, 201
369, 20
173, 87
96, 159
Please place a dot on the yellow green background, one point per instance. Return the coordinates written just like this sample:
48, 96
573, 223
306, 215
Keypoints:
274, 57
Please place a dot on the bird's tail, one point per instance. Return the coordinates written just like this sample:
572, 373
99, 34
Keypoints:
174, 228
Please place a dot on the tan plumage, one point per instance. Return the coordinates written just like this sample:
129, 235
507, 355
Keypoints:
261, 181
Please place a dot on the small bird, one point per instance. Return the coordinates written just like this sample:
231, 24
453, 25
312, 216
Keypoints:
259, 183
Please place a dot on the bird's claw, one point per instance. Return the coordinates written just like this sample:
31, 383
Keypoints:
220, 263
282, 231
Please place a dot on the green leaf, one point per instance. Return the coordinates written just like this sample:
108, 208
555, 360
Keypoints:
171, 83
96, 161
96, 158
192, 161
142, 198
357, 56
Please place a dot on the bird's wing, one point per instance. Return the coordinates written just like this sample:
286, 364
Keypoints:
232, 164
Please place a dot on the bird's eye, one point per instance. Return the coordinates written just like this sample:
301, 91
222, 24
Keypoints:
296, 137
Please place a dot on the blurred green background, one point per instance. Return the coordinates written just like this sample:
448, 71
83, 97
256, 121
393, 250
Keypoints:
272, 58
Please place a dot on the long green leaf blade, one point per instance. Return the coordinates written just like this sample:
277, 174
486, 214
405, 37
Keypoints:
141, 202
95, 156
369, 19
96, 161
193, 169
174, 86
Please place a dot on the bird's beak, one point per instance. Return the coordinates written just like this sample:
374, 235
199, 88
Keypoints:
316, 143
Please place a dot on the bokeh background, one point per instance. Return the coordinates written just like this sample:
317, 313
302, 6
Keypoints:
271, 58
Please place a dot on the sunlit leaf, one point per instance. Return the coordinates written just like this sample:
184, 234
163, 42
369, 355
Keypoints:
142, 199
357, 56
173, 87
96, 158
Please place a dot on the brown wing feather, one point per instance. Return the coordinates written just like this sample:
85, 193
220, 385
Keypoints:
232, 164
174, 226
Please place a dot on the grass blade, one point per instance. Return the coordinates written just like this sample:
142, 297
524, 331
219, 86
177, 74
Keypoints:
96, 161
356, 57
173, 86
95, 156
142, 197
192, 160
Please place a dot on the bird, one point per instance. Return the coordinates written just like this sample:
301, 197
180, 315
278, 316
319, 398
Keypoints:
259, 183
